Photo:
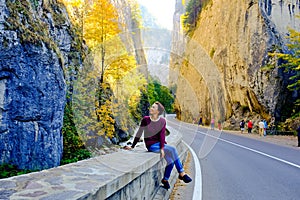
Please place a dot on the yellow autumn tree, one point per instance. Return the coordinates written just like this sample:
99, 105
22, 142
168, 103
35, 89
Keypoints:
127, 96
107, 64
111, 58
98, 24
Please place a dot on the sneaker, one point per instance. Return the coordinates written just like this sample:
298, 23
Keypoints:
166, 184
185, 178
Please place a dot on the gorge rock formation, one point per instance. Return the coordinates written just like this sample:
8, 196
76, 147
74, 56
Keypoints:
218, 68
157, 46
37, 47
131, 32
39, 59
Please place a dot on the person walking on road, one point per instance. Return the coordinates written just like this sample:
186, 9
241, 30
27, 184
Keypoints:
261, 126
212, 124
219, 124
154, 128
298, 133
250, 126
265, 127
200, 121
242, 126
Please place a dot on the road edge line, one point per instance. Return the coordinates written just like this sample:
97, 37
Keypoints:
197, 193
254, 150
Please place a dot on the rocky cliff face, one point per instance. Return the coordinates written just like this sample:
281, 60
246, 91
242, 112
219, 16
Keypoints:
220, 69
157, 46
36, 46
131, 32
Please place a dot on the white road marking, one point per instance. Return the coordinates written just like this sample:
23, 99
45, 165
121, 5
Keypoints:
258, 152
253, 150
197, 193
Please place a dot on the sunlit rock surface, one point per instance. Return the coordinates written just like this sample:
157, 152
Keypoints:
220, 67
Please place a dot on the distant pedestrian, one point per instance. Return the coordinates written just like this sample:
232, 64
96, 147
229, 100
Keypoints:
219, 124
298, 133
242, 126
212, 124
200, 121
265, 127
250, 126
261, 126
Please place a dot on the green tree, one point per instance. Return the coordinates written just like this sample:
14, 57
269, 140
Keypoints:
74, 150
190, 17
158, 92
291, 60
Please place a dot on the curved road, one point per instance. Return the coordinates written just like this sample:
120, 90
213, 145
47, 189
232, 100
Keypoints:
236, 167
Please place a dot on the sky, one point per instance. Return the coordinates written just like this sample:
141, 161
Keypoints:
163, 10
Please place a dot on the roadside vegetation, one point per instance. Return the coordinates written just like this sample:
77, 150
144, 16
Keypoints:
290, 63
111, 94
190, 18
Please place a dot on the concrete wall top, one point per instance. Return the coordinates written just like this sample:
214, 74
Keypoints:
103, 175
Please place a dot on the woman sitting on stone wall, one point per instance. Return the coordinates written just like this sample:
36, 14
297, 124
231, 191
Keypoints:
154, 128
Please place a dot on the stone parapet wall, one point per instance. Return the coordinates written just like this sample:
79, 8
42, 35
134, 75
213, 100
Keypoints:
124, 174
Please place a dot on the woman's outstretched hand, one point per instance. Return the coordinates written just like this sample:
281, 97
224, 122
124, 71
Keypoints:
162, 153
127, 147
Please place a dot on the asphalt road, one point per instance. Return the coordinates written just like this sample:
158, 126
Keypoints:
236, 167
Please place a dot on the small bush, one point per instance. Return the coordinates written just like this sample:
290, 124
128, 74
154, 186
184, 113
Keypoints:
245, 109
80, 154
7, 170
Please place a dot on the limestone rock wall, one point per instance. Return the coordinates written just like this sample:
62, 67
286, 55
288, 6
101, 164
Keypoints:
220, 67
36, 47
131, 32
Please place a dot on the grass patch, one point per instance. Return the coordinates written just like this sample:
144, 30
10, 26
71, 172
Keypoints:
7, 170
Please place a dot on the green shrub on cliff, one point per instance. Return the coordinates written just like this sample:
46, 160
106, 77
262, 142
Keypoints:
290, 62
7, 170
292, 59
74, 149
193, 10
291, 65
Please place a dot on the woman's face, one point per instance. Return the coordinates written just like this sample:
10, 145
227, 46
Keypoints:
154, 109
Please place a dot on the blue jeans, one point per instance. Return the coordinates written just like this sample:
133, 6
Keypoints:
171, 157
